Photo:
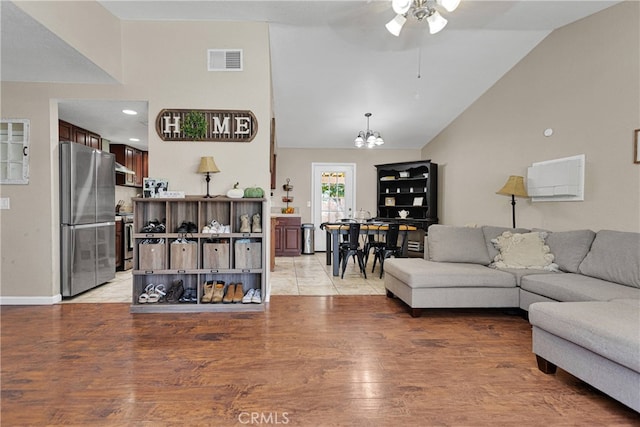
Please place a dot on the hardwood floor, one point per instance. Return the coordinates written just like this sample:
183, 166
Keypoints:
305, 361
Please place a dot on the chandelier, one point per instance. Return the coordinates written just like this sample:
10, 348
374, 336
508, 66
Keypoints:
421, 10
369, 138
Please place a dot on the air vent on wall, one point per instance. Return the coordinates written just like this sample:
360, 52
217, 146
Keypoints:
224, 59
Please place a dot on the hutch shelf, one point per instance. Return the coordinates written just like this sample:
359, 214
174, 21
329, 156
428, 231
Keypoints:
194, 257
411, 187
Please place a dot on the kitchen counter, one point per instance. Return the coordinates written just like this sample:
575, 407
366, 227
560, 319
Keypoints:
293, 215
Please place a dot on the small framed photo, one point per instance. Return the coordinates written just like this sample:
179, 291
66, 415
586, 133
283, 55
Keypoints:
153, 187
417, 201
389, 201
636, 146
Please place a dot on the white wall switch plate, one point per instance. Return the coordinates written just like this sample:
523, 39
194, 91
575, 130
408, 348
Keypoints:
4, 203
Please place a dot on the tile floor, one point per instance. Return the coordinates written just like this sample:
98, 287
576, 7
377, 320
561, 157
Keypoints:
301, 275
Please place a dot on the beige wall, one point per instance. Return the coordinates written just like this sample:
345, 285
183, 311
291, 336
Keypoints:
164, 63
85, 25
583, 81
296, 165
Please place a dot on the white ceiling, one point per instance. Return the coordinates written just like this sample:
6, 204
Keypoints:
332, 61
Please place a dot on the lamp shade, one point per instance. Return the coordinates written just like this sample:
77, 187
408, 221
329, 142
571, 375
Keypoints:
450, 5
208, 165
395, 25
436, 22
514, 187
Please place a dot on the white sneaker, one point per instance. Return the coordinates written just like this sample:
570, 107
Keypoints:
256, 298
246, 299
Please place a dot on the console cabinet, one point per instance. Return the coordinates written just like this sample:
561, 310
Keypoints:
197, 257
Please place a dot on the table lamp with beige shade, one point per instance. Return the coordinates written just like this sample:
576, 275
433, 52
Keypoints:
208, 166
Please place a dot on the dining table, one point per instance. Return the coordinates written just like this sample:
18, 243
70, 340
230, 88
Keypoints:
335, 229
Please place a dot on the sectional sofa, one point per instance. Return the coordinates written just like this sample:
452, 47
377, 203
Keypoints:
581, 290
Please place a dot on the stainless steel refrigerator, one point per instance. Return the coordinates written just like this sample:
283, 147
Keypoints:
87, 218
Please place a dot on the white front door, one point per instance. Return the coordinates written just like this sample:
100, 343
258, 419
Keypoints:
333, 196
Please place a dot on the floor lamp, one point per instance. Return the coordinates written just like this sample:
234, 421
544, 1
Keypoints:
514, 188
208, 166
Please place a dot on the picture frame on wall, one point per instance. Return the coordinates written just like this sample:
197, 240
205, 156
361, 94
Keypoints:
636, 146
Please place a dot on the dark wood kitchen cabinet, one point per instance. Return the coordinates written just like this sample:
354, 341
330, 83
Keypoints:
73, 133
133, 159
287, 236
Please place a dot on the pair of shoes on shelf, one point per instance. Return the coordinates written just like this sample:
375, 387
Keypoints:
187, 227
252, 296
234, 293
213, 291
189, 295
216, 228
175, 291
154, 226
152, 294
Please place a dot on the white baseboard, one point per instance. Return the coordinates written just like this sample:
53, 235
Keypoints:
31, 300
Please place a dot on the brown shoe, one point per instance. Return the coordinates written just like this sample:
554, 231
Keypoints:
238, 294
207, 291
218, 292
228, 296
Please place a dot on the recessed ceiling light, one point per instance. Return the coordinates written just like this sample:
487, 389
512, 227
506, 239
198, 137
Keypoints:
134, 139
130, 112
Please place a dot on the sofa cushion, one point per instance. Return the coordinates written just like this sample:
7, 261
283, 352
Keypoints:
570, 247
491, 232
457, 244
523, 250
607, 328
614, 256
420, 273
575, 287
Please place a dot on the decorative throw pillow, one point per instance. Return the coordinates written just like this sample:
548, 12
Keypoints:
523, 250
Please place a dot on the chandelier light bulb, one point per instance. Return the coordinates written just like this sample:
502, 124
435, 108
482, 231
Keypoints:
379, 141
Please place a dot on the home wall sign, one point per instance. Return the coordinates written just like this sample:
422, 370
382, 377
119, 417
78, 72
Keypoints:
206, 125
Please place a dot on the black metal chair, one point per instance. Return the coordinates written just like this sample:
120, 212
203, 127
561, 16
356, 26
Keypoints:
351, 248
389, 248
373, 241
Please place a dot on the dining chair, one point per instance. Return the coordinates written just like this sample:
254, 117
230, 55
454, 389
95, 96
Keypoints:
390, 247
372, 242
351, 248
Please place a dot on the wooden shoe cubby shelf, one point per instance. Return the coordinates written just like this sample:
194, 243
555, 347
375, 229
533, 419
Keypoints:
232, 257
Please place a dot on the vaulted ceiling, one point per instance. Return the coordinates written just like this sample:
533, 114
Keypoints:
332, 61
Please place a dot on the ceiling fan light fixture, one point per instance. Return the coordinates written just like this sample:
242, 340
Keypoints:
421, 10
395, 25
401, 6
436, 22
449, 5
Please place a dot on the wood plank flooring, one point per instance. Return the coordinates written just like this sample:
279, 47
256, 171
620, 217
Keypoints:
305, 361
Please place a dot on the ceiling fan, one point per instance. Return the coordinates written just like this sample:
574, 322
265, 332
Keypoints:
420, 10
